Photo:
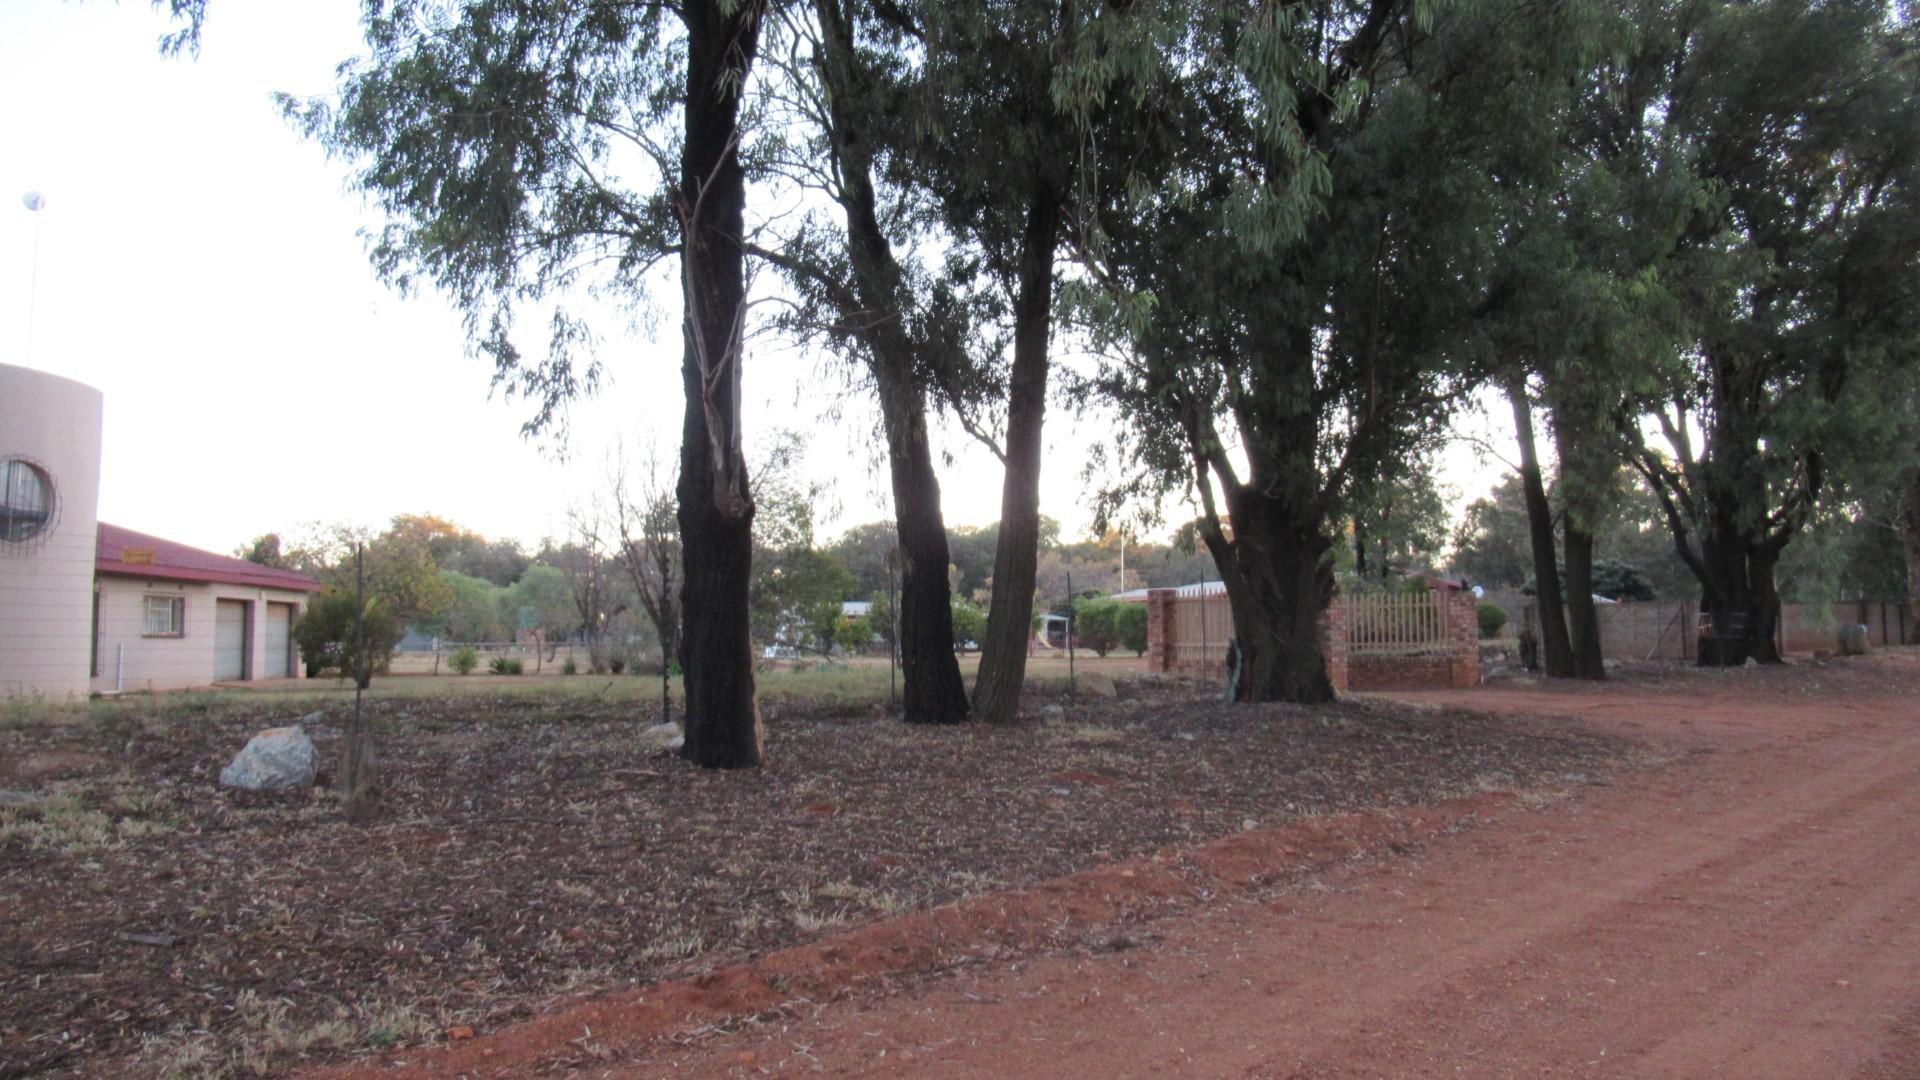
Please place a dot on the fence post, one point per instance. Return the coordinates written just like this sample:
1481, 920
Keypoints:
1332, 628
1160, 629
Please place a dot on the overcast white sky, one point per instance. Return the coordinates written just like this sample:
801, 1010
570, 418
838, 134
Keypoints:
199, 263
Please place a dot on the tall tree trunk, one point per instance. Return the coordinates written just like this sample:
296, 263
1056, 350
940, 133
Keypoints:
1003, 653
934, 692
716, 506
1573, 438
1910, 539
1583, 615
1556, 649
1279, 578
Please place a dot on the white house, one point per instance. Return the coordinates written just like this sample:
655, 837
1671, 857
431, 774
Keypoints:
86, 606
167, 616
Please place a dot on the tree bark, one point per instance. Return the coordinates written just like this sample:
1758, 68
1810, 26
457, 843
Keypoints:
1279, 578
1583, 615
1003, 653
1910, 539
1556, 648
716, 507
934, 692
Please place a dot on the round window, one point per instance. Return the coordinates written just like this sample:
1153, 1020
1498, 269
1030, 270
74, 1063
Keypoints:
26, 500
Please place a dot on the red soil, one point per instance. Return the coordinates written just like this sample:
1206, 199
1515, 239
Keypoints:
1748, 911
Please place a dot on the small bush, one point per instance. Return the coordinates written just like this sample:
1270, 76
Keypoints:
507, 665
569, 668
1492, 618
618, 665
464, 659
1130, 626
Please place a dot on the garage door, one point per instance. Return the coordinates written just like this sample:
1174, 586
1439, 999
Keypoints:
230, 639
274, 634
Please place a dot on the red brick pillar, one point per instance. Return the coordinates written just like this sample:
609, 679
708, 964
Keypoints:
1464, 620
1332, 629
1160, 629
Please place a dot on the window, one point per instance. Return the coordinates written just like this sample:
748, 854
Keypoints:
166, 616
26, 500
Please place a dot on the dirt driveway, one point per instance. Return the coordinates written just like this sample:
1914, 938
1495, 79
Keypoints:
1749, 912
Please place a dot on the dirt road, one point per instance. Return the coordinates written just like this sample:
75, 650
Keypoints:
1749, 911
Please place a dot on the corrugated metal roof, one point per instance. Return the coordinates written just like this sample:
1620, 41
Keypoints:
125, 553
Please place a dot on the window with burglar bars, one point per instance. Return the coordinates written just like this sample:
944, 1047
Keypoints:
166, 616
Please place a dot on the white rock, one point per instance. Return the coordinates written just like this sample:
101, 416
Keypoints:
662, 737
277, 759
1053, 714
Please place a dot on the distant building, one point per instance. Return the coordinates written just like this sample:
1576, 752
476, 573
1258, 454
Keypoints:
93, 607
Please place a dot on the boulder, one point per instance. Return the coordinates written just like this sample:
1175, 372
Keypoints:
1099, 685
1853, 640
1053, 715
277, 759
663, 737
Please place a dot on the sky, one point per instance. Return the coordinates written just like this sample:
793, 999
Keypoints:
201, 264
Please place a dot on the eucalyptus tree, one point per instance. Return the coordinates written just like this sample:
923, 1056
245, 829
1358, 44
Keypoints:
525, 151
860, 288
1801, 121
1295, 217
995, 153
1591, 324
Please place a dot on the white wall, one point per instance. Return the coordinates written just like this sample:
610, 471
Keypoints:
46, 583
133, 662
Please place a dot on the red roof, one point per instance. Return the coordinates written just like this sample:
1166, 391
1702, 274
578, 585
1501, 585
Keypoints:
163, 560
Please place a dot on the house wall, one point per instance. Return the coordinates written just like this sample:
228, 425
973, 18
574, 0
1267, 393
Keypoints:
46, 583
131, 661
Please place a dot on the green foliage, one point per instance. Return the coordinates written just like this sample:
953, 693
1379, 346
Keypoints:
969, 623
569, 668
326, 638
1492, 617
474, 610
506, 665
852, 634
1491, 546
1130, 627
463, 660
541, 600
1096, 624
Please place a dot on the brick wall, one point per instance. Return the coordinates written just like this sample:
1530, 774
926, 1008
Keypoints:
1459, 668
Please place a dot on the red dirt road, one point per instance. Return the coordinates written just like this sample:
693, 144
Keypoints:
1748, 911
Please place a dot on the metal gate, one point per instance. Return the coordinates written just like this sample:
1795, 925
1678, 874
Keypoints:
276, 636
230, 639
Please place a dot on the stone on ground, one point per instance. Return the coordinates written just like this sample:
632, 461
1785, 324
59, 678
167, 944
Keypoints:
1853, 640
1099, 685
663, 737
277, 759
1053, 715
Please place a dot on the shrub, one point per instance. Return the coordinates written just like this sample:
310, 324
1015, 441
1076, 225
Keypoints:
507, 665
569, 668
1130, 627
463, 660
1492, 618
325, 634
1094, 625
617, 665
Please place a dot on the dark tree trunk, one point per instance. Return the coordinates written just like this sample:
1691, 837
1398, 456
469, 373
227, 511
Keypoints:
1583, 616
716, 507
1910, 539
1003, 653
1279, 578
934, 692
1555, 646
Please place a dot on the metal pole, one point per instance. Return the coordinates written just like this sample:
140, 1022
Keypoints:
893, 632
1072, 687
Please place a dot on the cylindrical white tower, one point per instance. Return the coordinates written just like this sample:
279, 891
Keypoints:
49, 502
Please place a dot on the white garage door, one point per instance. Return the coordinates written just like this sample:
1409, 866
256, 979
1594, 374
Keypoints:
230, 640
274, 636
